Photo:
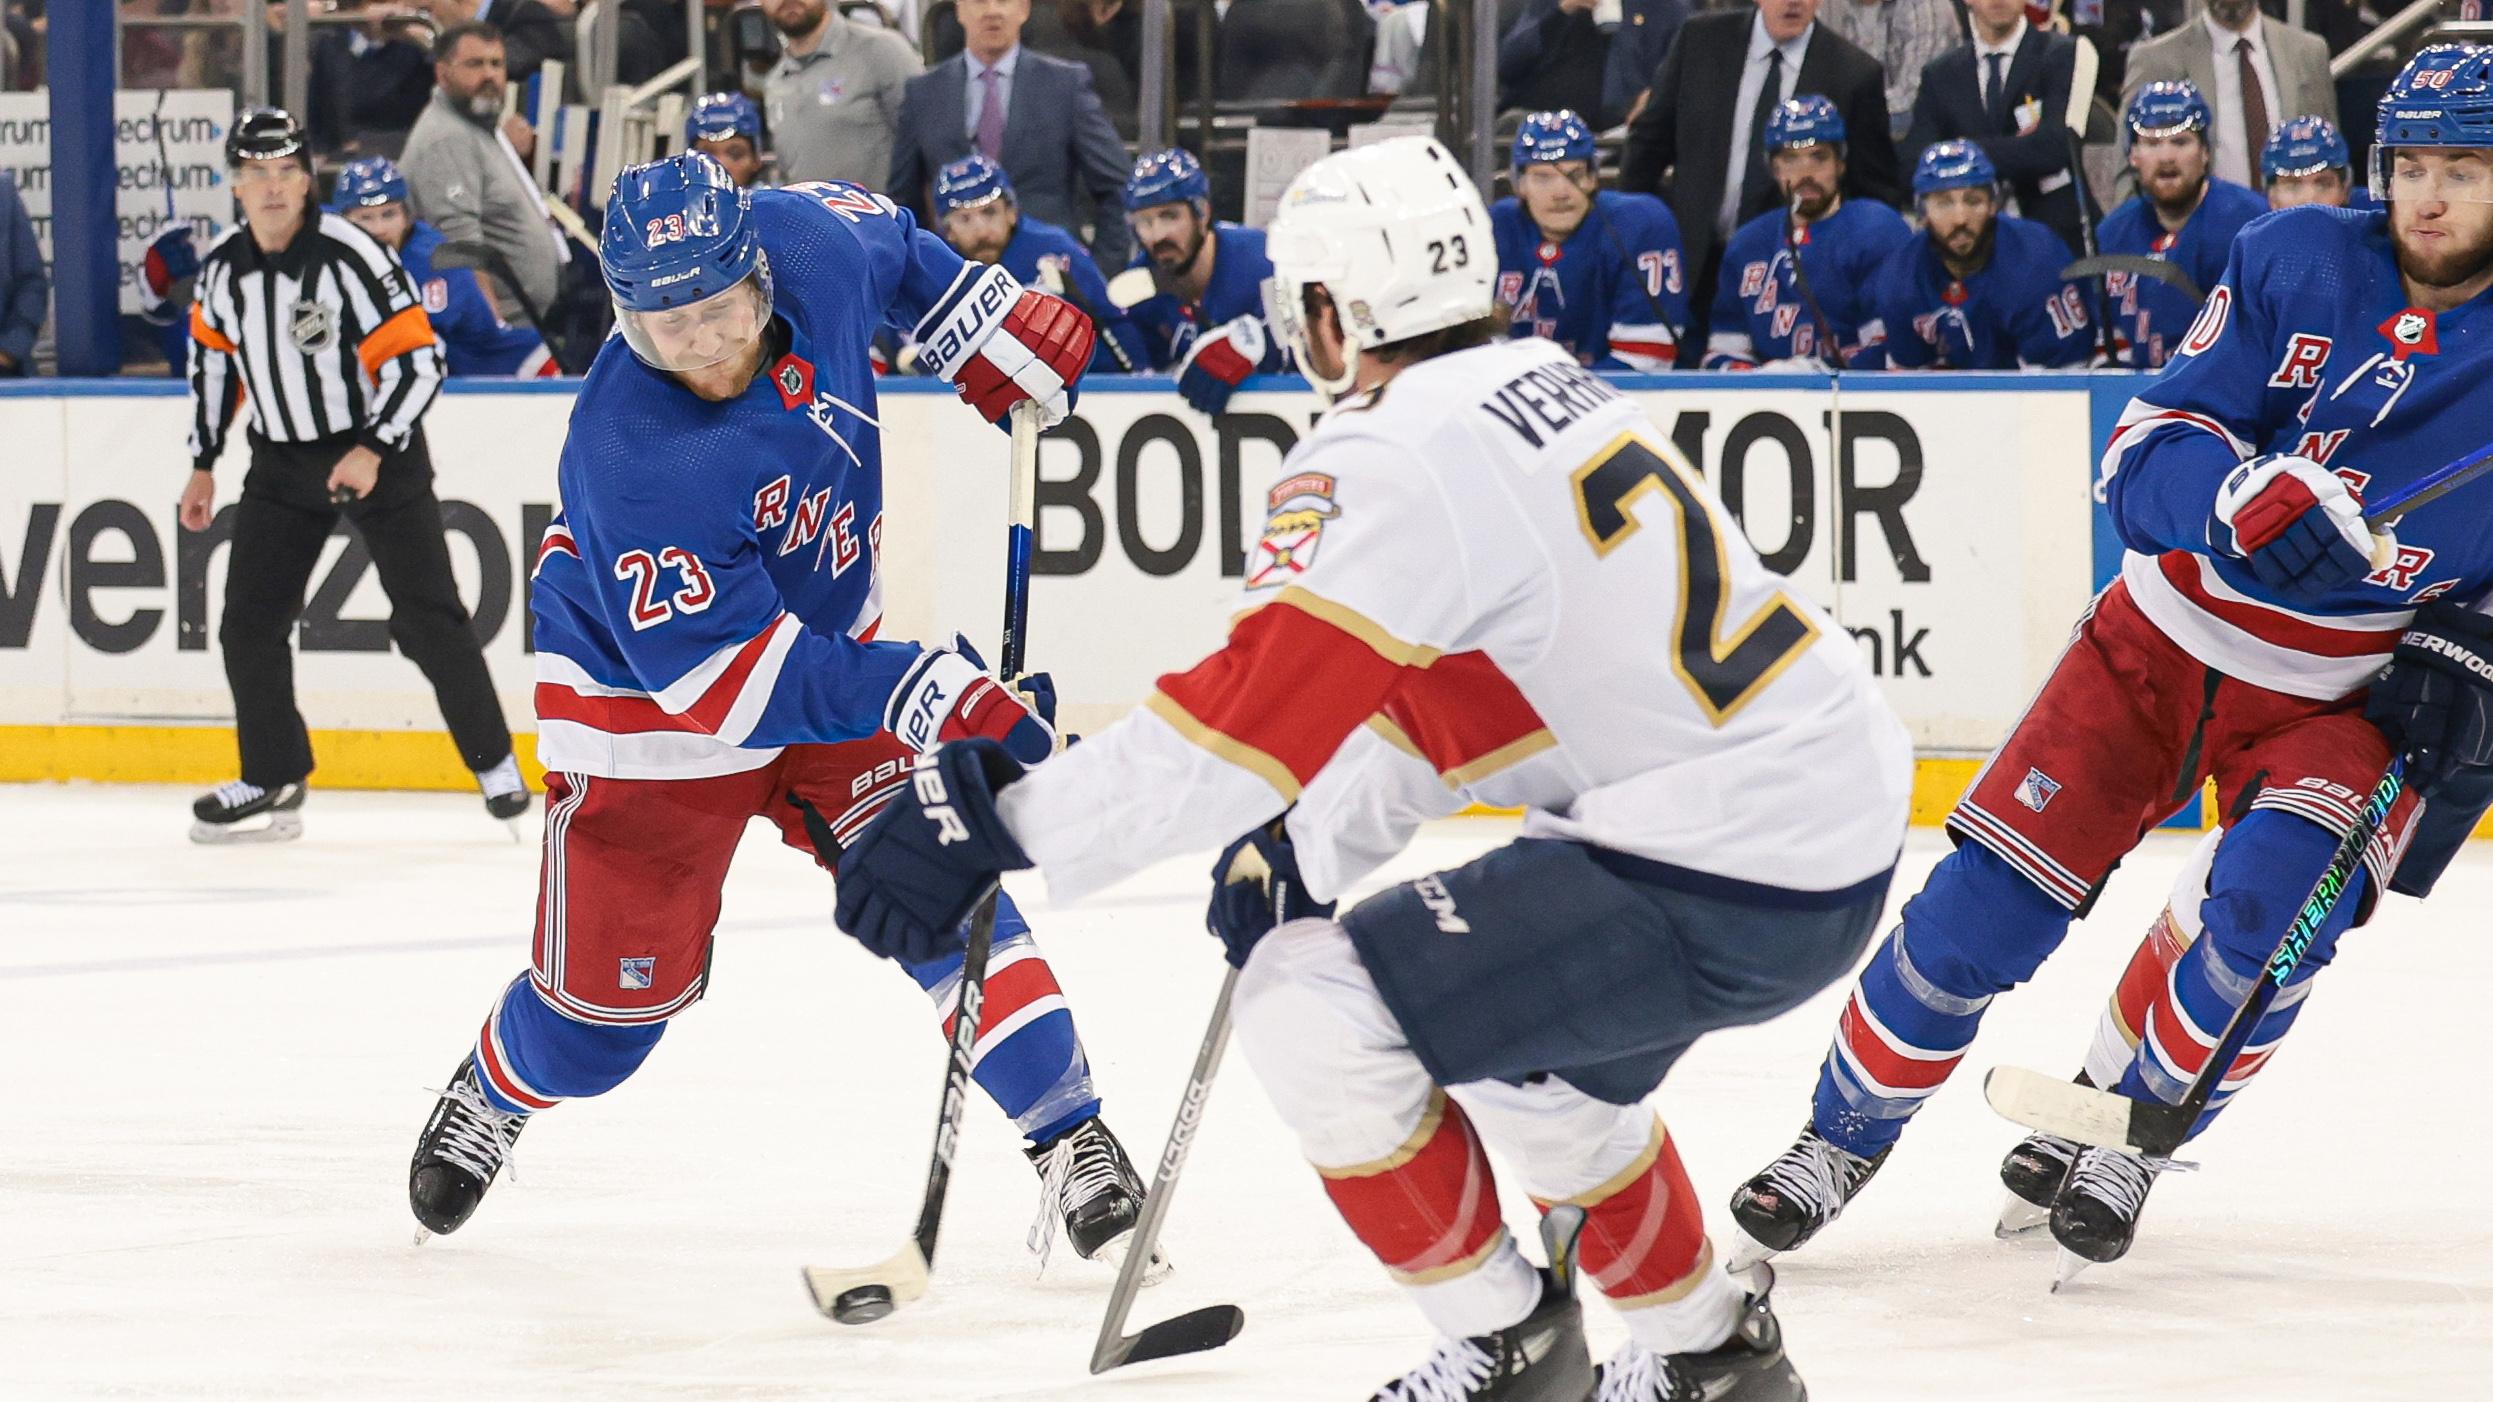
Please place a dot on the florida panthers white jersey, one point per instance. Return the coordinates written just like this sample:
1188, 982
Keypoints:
1495, 578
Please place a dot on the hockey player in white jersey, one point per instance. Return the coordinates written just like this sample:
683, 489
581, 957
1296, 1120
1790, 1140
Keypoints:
1485, 573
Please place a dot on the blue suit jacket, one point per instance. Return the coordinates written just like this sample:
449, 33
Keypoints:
25, 291
1067, 165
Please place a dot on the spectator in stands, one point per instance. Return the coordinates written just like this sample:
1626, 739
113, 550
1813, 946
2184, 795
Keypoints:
729, 127
25, 290
2008, 93
976, 214
1698, 143
474, 339
1034, 115
2254, 72
369, 83
467, 177
1637, 48
1291, 50
1597, 271
1977, 289
1904, 36
2183, 217
1556, 53
834, 96
1763, 312
2118, 27
2305, 162
1205, 318
530, 32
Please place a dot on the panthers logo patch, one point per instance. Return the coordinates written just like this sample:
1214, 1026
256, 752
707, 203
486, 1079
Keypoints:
1293, 527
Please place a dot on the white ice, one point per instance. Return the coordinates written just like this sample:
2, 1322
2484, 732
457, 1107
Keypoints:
218, 1062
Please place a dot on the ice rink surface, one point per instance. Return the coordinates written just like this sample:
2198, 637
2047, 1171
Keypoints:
220, 1060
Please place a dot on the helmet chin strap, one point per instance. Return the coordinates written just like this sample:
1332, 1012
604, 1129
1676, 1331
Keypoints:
1331, 387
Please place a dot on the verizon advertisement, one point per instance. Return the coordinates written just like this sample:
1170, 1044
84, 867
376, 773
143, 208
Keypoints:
1953, 543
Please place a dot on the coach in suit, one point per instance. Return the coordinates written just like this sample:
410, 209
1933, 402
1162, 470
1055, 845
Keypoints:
2008, 93
2256, 72
1034, 115
1699, 142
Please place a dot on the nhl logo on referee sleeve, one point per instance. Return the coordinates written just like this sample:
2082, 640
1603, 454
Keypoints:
2036, 789
637, 973
1293, 525
312, 326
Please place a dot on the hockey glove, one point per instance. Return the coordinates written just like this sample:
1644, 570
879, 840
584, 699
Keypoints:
2296, 523
1218, 360
171, 265
947, 695
2435, 699
1001, 343
917, 872
1256, 889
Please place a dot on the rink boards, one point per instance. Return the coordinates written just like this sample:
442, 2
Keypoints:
1957, 545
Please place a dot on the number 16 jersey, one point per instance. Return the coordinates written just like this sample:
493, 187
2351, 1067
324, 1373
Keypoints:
1496, 574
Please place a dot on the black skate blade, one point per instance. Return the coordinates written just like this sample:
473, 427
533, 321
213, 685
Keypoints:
1192, 1332
2102, 1118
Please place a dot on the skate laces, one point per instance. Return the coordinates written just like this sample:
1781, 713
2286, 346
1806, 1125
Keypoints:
2118, 1179
1451, 1374
1812, 1171
1079, 1166
237, 793
1637, 1374
475, 1135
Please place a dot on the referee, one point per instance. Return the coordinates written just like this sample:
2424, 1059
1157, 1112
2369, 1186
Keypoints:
304, 316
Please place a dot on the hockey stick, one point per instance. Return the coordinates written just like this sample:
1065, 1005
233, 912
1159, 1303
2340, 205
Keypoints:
2084, 68
1809, 299
2136, 265
866, 1294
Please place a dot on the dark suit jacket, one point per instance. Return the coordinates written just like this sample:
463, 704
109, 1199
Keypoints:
1067, 166
1949, 107
1679, 146
530, 36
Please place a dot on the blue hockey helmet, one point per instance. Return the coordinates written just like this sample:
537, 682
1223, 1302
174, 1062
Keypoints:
374, 180
691, 285
970, 181
1546, 138
1172, 176
2443, 97
2303, 146
719, 115
2162, 108
1804, 121
1953, 165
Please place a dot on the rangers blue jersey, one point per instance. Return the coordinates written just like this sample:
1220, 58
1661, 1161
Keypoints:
2148, 316
1239, 267
1614, 293
1046, 257
2307, 345
711, 587
1759, 313
2017, 311
473, 335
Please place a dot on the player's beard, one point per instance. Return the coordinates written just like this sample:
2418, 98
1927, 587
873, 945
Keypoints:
2457, 262
2186, 193
1816, 201
1977, 255
1173, 258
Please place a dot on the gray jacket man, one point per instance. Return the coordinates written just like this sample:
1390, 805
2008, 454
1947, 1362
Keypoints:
2291, 67
464, 179
833, 103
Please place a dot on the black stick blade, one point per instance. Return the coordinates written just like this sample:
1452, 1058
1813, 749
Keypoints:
1192, 1332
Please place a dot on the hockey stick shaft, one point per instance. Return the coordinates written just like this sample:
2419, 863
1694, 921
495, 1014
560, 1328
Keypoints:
1809, 299
2431, 486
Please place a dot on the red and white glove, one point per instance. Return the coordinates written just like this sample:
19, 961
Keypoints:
1001, 343
1218, 360
947, 695
2297, 525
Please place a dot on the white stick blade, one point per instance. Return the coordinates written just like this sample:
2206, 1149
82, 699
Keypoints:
903, 1276
2058, 1106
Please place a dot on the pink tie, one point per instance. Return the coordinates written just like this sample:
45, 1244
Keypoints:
991, 119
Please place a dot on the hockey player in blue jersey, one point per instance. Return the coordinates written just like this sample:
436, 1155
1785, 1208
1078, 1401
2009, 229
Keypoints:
1977, 289
371, 193
2305, 162
1598, 271
2182, 215
978, 216
1762, 315
728, 127
1205, 317
2341, 355
707, 604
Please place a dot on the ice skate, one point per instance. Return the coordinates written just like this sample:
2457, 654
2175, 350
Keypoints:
1089, 1186
506, 794
2095, 1217
1541, 1359
462, 1148
1793, 1198
2033, 1173
238, 813
1750, 1366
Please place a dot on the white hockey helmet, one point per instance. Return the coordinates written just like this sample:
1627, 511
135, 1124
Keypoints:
1398, 237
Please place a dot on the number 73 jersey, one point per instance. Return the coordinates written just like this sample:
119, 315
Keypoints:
1495, 573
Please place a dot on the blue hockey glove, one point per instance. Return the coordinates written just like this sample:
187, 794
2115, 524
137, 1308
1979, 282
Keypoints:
1218, 360
917, 872
1256, 888
2435, 699
2296, 523
166, 274
947, 695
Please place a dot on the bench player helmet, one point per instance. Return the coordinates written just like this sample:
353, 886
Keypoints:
691, 285
1173, 176
1398, 238
2443, 97
1953, 165
2303, 146
1805, 121
970, 182
370, 182
720, 115
2161, 109
1546, 138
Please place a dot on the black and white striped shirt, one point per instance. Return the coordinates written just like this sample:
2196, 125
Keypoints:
325, 337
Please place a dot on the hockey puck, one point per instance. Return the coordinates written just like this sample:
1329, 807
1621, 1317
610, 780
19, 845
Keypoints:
862, 1304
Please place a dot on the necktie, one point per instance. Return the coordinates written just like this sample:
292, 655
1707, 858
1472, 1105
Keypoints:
1756, 185
2254, 107
1993, 84
991, 118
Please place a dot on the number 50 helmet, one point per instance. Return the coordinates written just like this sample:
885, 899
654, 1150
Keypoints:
690, 283
1397, 236
2443, 97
